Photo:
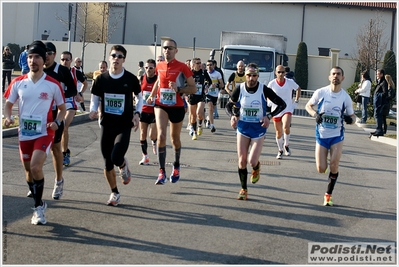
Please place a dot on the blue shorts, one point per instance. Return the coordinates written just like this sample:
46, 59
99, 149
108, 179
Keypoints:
328, 142
252, 130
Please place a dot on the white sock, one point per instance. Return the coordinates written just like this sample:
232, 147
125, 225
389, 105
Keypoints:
287, 139
280, 143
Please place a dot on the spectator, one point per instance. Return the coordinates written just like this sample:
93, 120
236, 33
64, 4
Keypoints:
364, 90
8, 66
23, 60
141, 71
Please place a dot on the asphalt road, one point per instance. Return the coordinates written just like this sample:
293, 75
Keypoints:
198, 220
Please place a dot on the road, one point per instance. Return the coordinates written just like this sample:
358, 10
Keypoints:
198, 220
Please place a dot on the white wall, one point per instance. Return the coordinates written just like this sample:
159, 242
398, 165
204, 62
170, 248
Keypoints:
318, 66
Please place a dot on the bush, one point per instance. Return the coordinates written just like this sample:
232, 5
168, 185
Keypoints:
301, 66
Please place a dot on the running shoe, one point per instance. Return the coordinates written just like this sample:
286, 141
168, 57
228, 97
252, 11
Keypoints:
279, 154
213, 129
161, 177
207, 123
191, 133
29, 194
175, 176
125, 173
200, 130
287, 151
188, 126
154, 149
67, 158
327, 200
114, 199
255, 175
39, 214
243, 194
58, 189
194, 136
145, 160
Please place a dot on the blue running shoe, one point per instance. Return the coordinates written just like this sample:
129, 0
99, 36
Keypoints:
161, 177
67, 159
175, 176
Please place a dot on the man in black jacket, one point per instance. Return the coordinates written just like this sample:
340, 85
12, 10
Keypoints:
379, 100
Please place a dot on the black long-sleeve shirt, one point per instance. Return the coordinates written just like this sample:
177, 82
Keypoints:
64, 76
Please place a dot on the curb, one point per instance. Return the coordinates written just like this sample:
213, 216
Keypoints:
369, 128
77, 119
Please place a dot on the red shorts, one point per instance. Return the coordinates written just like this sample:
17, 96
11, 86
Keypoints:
277, 119
26, 148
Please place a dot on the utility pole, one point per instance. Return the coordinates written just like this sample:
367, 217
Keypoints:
69, 26
155, 40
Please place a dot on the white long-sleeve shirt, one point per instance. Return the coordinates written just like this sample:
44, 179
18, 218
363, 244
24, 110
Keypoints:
365, 88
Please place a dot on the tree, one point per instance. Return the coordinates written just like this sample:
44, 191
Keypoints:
301, 66
371, 43
92, 24
390, 64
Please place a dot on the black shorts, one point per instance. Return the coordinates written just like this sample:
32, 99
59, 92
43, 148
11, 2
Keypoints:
209, 98
176, 114
58, 133
195, 99
147, 117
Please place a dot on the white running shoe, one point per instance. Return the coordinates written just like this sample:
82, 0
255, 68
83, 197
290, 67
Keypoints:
39, 214
58, 189
145, 160
125, 173
114, 199
287, 150
279, 155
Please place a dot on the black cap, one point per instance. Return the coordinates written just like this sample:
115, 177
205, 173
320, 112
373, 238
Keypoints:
50, 47
37, 47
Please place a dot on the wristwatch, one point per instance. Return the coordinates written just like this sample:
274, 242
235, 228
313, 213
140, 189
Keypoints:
138, 113
269, 116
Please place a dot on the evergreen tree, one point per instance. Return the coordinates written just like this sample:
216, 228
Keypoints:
390, 64
301, 66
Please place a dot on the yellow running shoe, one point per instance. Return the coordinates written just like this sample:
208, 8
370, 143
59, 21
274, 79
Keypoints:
199, 130
194, 136
255, 175
327, 200
243, 194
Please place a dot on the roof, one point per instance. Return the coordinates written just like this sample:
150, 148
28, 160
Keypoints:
386, 5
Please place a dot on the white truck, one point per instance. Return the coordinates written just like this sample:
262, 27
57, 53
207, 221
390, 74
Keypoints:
265, 49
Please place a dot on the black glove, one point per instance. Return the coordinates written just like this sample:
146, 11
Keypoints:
348, 119
318, 118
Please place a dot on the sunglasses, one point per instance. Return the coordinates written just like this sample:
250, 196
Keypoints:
50, 53
117, 56
169, 47
7, 49
149, 68
65, 59
209, 65
197, 63
79, 61
281, 72
252, 75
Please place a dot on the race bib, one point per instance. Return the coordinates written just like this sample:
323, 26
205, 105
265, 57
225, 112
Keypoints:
114, 103
30, 125
329, 121
250, 114
199, 89
146, 95
168, 96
